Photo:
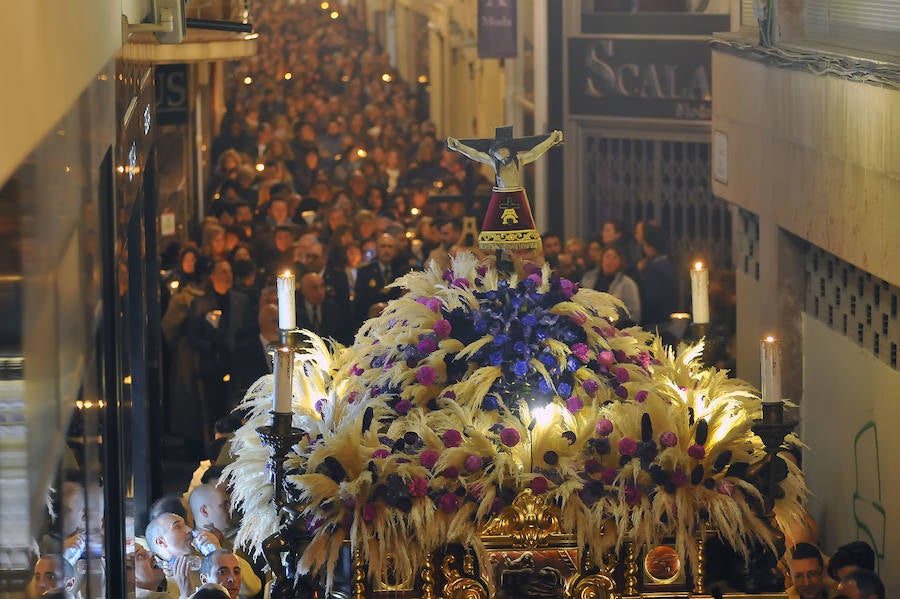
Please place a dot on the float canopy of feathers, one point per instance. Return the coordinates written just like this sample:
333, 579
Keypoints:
473, 387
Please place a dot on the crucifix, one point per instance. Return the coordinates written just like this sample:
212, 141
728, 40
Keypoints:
506, 153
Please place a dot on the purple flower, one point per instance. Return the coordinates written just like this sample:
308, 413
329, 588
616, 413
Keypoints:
497, 505
433, 304
606, 358
530, 320
590, 386
609, 476
632, 495
622, 375
426, 375
520, 367
369, 512
593, 466
641, 396
622, 392
452, 438
380, 454
354, 395
510, 436
450, 472
461, 282
698, 452
679, 478
426, 345
567, 287
320, 403
581, 351
481, 270
449, 394
472, 463
627, 446
604, 426
403, 406
564, 389
449, 503
574, 404
495, 358
418, 487
539, 485
668, 439
428, 458
355, 370
535, 278
442, 328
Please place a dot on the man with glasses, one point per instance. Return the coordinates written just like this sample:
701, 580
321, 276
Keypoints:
808, 574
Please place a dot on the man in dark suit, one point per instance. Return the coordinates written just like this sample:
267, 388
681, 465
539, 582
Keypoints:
658, 280
326, 319
337, 288
372, 278
219, 324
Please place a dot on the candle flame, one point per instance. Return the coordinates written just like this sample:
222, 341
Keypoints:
698, 266
287, 273
770, 339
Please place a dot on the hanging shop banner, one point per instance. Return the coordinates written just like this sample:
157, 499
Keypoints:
496, 28
640, 77
172, 94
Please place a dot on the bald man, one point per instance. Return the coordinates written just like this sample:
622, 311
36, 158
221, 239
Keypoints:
211, 508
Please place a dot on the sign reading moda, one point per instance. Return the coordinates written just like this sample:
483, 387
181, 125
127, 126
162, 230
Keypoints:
650, 78
496, 29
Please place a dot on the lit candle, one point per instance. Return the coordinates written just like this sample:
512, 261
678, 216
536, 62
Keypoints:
287, 313
283, 369
700, 293
770, 358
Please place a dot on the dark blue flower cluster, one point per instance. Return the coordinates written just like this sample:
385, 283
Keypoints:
519, 320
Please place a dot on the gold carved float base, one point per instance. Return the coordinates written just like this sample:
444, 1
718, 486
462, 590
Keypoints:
529, 556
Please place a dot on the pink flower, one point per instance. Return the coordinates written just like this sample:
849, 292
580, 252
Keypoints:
604, 426
473, 463
574, 404
539, 485
450, 472
641, 396
461, 282
442, 328
355, 370
449, 503
418, 487
609, 475
567, 287
679, 478
698, 452
452, 438
622, 375
380, 454
369, 512
535, 278
428, 458
426, 375
725, 487
581, 351
426, 345
606, 358
354, 395
627, 446
403, 406
510, 436
668, 439
590, 386
632, 495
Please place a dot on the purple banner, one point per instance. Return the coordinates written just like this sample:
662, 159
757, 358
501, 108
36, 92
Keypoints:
496, 28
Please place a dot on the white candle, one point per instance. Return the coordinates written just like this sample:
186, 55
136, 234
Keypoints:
287, 313
700, 293
770, 359
283, 369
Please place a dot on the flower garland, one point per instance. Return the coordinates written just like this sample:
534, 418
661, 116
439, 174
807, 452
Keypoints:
473, 387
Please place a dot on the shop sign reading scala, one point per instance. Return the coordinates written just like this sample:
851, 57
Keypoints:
651, 78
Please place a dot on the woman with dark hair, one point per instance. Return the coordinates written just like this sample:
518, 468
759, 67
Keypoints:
184, 273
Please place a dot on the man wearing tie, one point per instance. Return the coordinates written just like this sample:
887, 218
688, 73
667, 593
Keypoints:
317, 315
372, 278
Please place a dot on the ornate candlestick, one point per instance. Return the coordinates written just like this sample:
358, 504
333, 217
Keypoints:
772, 429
